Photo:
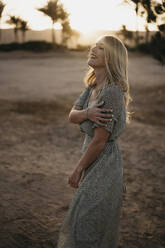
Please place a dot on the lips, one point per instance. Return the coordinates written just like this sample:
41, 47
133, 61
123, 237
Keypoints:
93, 56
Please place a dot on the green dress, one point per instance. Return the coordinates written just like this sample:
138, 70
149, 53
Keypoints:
93, 217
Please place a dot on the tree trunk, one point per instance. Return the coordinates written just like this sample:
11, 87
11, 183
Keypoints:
16, 35
0, 31
0, 34
53, 34
147, 34
137, 25
23, 36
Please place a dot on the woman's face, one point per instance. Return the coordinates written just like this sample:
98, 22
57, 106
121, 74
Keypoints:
96, 55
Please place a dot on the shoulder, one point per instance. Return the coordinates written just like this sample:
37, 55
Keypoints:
85, 91
87, 88
112, 90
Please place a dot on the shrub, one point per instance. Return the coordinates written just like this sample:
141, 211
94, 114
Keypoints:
36, 46
156, 47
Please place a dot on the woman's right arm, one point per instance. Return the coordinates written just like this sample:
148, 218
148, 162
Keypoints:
95, 114
77, 115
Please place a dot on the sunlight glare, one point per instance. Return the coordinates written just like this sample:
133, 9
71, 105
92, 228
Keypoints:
85, 16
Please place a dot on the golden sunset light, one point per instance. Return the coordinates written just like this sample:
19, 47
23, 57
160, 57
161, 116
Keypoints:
85, 16
82, 113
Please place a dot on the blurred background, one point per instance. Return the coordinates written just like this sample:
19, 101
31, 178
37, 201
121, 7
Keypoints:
43, 59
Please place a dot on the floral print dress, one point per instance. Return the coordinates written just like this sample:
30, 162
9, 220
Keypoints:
93, 217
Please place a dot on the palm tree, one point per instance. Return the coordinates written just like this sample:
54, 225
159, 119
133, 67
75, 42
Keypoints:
16, 22
150, 15
125, 34
67, 31
137, 8
56, 12
23, 27
2, 6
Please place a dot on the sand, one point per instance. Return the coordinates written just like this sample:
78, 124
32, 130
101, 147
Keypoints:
39, 148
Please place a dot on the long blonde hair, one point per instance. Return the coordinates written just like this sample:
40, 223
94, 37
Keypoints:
116, 63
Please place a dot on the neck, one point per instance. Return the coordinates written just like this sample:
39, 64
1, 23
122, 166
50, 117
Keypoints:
100, 76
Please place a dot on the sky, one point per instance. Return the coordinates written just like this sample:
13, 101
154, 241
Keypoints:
85, 15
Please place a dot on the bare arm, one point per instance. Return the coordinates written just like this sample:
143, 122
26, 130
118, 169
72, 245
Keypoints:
77, 115
95, 114
94, 149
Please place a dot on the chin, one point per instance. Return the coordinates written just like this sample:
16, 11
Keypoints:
91, 63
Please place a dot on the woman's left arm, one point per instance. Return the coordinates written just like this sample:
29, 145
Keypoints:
113, 98
92, 152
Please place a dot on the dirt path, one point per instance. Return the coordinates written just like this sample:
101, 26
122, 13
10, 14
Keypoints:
39, 149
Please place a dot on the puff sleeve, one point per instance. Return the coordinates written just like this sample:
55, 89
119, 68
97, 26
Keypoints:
82, 98
113, 98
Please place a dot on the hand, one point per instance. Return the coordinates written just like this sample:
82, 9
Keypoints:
95, 114
75, 178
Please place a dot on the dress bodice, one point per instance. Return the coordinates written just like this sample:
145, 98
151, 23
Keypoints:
113, 98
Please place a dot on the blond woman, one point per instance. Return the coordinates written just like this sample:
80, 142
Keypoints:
93, 217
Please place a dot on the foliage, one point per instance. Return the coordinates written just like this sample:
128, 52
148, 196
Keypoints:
14, 20
67, 31
55, 10
162, 28
19, 24
81, 48
150, 10
35, 46
137, 10
125, 34
2, 6
156, 47
23, 25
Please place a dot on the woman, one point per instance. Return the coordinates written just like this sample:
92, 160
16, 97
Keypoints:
92, 220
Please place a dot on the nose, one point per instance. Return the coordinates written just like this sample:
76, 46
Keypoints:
93, 48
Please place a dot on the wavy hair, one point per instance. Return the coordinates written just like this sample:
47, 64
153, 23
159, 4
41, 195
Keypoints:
116, 63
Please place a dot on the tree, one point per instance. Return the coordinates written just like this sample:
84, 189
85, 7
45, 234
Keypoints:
23, 27
150, 9
16, 22
150, 15
126, 34
2, 6
67, 31
160, 10
56, 12
137, 10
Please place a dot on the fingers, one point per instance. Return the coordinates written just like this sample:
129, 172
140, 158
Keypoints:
105, 115
106, 110
72, 183
100, 104
105, 120
101, 124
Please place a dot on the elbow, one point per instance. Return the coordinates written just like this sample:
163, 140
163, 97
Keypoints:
100, 143
71, 118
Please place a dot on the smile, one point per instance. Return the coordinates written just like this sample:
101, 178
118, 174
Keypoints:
93, 56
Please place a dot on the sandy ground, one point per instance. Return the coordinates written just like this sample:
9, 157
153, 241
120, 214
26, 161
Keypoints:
39, 148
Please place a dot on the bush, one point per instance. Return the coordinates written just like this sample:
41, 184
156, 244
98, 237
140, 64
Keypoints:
81, 48
36, 46
10, 47
156, 47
